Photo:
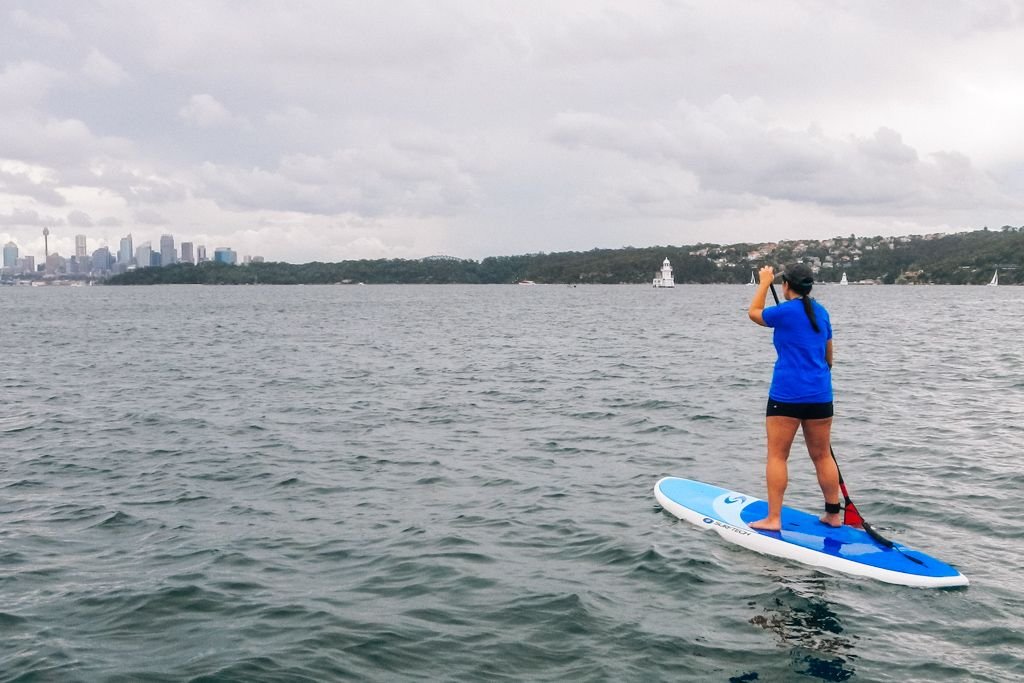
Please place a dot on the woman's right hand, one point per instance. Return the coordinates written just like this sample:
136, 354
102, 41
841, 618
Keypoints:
767, 275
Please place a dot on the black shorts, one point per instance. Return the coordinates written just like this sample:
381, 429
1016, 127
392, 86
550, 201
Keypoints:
801, 411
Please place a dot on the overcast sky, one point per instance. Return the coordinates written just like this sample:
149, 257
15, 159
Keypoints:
328, 130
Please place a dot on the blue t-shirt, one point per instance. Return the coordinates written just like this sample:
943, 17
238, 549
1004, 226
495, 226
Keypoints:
801, 373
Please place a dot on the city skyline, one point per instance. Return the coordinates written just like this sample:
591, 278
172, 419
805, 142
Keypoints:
103, 260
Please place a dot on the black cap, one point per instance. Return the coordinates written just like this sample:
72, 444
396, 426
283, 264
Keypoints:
800, 277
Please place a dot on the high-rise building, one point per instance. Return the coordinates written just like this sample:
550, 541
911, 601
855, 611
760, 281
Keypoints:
80, 251
102, 261
201, 254
55, 263
168, 255
27, 264
125, 253
186, 253
225, 255
143, 255
10, 255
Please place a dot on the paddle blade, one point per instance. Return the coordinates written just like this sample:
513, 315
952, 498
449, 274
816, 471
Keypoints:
851, 516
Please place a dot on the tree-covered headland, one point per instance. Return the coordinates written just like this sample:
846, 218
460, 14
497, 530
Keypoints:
962, 258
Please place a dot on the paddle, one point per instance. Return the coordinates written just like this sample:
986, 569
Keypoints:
852, 516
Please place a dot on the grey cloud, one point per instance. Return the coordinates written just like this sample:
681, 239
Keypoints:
154, 191
102, 70
373, 182
887, 146
136, 185
205, 111
20, 184
22, 218
26, 83
56, 142
732, 151
298, 38
79, 219
150, 217
577, 130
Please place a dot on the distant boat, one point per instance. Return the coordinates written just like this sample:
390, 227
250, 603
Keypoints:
664, 278
526, 282
751, 279
995, 279
844, 281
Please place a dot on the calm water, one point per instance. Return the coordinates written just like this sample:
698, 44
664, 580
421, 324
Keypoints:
455, 483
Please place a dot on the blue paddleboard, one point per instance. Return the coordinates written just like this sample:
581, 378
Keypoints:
802, 538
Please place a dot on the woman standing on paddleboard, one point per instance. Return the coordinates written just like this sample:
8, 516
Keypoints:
801, 391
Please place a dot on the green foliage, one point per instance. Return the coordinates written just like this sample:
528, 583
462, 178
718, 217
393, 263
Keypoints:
963, 258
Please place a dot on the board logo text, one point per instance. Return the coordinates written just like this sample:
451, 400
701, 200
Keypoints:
723, 525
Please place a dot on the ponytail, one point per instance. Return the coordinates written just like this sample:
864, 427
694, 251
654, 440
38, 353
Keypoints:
809, 310
801, 280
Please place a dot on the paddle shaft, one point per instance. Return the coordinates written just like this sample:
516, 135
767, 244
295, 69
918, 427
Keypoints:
842, 484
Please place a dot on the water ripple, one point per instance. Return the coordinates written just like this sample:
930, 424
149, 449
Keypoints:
455, 483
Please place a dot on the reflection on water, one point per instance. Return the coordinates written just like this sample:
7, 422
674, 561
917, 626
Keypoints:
803, 620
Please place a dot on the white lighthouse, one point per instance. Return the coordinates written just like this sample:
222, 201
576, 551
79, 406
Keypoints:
664, 279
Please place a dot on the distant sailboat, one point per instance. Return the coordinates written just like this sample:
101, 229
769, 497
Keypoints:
844, 281
995, 279
751, 279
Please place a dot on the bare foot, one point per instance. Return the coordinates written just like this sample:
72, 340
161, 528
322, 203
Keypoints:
766, 524
833, 520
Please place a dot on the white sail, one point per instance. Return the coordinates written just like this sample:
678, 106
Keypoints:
752, 281
844, 281
995, 279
